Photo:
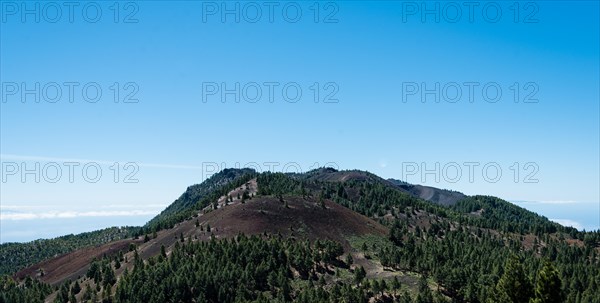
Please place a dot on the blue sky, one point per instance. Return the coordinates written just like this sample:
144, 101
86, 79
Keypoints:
364, 56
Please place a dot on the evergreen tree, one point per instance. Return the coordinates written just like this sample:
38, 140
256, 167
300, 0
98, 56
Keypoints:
76, 288
359, 274
514, 284
63, 294
395, 283
548, 285
109, 277
425, 295
349, 259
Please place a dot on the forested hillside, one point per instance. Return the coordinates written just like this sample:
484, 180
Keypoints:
466, 246
16, 256
228, 241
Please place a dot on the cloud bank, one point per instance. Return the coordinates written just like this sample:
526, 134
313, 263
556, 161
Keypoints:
567, 222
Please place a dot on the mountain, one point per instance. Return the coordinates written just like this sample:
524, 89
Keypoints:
320, 236
432, 194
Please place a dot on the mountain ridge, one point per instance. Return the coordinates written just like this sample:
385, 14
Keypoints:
384, 227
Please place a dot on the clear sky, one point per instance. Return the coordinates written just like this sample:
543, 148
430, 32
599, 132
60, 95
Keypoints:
370, 62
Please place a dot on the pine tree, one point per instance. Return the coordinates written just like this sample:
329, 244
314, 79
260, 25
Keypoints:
425, 295
376, 286
76, 288
395, 283
109, 277
514, 285
359, 274
548, 285
63, 294
87, 293
349, 259
94, 272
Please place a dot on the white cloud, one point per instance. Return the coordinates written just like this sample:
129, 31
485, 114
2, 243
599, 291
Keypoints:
547, 202
72, 214
567, 222
32, 212
56, 207
383, 163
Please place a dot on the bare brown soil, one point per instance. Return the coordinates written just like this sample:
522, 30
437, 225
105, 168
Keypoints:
72, 265
292, 216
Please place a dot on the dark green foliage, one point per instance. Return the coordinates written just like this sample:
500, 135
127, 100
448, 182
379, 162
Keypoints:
469, 267
63, 295
278, 184
395, 283
548, 287
514, 286
16, 256
30, 291
349, 259
425, 294
468, 261
95, 272
108, 277
359, 274
501, 215
163, 252
225, 271
76, 288
396, 233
